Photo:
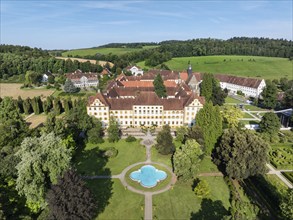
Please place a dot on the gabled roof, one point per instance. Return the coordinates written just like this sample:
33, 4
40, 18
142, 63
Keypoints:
241, 81
77, 75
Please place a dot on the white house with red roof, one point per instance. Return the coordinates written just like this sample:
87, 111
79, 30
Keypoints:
135, 70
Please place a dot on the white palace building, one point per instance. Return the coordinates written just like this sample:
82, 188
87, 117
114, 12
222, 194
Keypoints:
133, 102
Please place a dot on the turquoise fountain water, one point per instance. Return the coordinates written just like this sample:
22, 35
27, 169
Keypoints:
148, 176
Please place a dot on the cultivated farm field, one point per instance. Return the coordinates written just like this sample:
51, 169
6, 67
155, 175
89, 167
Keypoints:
93, 51
102, 63
36, 120
246, 66
13, 90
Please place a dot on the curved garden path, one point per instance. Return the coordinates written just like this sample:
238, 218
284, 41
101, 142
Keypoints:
147, 141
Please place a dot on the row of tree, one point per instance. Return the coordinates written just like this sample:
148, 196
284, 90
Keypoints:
37, 163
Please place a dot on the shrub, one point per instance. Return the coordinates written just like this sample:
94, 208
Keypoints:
111, 152
239, 92
130, 139
202, 189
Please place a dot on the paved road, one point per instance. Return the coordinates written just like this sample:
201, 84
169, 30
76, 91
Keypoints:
279, 174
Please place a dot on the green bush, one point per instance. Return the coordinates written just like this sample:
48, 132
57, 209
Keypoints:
111, 152
130, 139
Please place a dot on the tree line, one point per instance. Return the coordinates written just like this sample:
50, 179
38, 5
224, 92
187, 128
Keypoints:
202, 47
16, 62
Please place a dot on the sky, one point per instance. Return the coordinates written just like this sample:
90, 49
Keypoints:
72, 24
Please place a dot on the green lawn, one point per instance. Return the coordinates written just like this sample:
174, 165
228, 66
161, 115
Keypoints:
93, 51
246, 115
229, 99
207, 166
262, 67
92, 162
116, 202
181, 202
157, 157
249, 122
254, 108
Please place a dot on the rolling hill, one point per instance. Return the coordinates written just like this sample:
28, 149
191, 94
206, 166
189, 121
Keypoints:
247, 66
103, 50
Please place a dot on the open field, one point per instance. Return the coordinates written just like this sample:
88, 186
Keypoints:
35, 120
93, 51
261, 67
102, 63
13, 90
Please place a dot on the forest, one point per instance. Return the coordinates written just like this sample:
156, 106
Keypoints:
203, 47
16, 60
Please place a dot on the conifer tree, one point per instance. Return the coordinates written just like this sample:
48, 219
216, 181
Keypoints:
27, 108
57, 106
210, 121
159, 86
20, 104
114, 132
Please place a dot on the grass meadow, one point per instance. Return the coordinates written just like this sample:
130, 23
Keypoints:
13, 90
93, 51
246, 66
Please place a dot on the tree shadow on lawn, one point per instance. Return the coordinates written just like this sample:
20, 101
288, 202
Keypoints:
92, 163
102, 191
210, 210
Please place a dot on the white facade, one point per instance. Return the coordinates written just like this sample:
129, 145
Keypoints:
248, 91
136, 71
146, 114
84, 82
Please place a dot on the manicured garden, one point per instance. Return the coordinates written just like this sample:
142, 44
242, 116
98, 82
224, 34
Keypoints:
282, 157
92, 161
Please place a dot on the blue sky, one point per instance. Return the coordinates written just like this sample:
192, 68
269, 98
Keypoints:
79, 24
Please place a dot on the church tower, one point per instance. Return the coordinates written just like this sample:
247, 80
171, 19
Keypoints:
189, 69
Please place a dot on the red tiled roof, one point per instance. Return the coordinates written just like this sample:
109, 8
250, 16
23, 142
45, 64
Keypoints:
146, 83
77, 75
242, 81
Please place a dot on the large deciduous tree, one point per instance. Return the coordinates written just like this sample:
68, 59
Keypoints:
113, 130
70, 198
95, 134
159, 86
43, 160
69, 87
269, 95
242, 153
231, 116
164, 141
210, 121
186, 160
270, 123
